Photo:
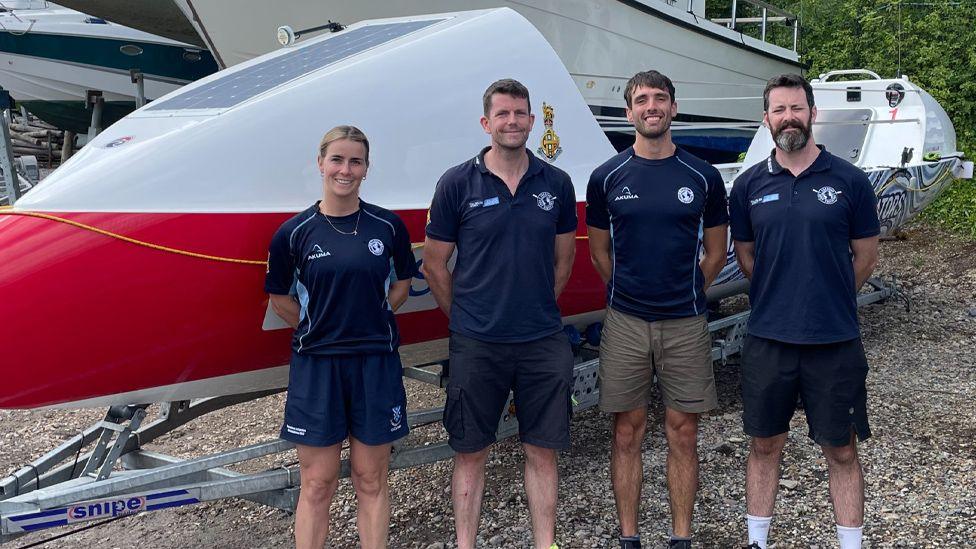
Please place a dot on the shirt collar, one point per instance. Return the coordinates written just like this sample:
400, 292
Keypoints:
535, 165
821, 163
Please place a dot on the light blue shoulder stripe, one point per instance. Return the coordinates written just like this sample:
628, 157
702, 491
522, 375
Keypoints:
392, 228
291, 237
704, 179
607, 178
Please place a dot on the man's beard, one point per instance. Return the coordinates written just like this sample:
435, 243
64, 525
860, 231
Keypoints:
792, 141
652, 134
514, 146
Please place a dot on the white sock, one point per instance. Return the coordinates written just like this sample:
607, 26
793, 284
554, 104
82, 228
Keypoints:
849, 538
758, 529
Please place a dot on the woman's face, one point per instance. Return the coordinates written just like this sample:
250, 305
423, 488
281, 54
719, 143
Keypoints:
343, 168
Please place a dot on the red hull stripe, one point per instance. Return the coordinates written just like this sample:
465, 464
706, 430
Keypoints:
102, 316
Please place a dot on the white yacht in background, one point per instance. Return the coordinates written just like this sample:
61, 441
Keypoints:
159, 17
718, 72
50, 56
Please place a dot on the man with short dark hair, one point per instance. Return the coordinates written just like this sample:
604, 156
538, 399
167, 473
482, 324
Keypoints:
512, 219
650, 213
805, 227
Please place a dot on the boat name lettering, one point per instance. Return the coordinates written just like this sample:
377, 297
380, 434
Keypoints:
890, 206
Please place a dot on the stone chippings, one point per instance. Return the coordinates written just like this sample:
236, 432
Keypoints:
920, 465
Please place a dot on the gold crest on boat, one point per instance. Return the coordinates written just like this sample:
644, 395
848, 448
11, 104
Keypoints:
549, 147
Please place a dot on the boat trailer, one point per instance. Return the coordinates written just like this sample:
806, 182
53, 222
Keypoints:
119, 476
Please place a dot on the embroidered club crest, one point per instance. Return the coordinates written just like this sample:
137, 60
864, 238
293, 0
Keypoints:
396, 419
549, 146
376, 246
827, 194
545, 200
686, 195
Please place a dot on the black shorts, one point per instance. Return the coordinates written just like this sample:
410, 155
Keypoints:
830, 380
539, 372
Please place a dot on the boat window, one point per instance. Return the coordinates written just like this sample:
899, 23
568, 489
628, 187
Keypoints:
843, 131
240, 85
131, 49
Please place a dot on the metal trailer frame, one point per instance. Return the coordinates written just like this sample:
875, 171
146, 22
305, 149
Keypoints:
120, 477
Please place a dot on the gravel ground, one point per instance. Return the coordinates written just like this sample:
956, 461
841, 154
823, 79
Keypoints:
920, 465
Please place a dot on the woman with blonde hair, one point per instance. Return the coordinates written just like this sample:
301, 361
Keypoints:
336, 273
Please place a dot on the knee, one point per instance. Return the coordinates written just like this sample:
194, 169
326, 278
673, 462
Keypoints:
841, 456
767, 448
682, 434
537, 457
318, 491
368, 482
628, 435
470, 460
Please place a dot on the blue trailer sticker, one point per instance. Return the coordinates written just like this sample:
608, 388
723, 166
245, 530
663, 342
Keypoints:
99, 509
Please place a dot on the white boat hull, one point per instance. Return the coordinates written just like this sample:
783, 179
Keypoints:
38, 79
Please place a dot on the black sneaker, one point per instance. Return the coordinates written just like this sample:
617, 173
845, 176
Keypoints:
752, 545
679, 544
630, 543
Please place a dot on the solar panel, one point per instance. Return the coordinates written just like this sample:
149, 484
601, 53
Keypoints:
239, 86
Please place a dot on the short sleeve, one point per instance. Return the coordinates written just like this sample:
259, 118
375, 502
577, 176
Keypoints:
596, 203
716, 201
567, 209
281, 264
443, 218
404, 264
864, 221
741, 223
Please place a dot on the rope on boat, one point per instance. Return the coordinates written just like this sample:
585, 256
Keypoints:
7, 211
894, 181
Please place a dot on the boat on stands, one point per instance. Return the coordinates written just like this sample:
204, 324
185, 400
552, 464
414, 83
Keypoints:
148, 246
51, 57
890, 128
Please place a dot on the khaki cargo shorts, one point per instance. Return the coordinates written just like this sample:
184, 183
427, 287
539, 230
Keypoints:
678, 351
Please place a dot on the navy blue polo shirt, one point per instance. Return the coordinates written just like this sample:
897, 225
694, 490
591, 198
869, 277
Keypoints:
802, 288
656, 212
504, 274
341, 280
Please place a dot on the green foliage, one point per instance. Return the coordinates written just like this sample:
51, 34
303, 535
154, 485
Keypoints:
955, 209
931, 41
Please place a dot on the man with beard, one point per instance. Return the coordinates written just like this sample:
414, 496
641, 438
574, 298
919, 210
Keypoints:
650, 211
512, 219
805, 227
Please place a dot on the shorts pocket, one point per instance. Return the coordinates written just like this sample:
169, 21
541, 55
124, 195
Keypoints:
453, 414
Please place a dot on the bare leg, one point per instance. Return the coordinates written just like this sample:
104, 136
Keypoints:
467, 490
541, 489
320, 478
681, 429
626, 466
370, 467
762, 474
846, 483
